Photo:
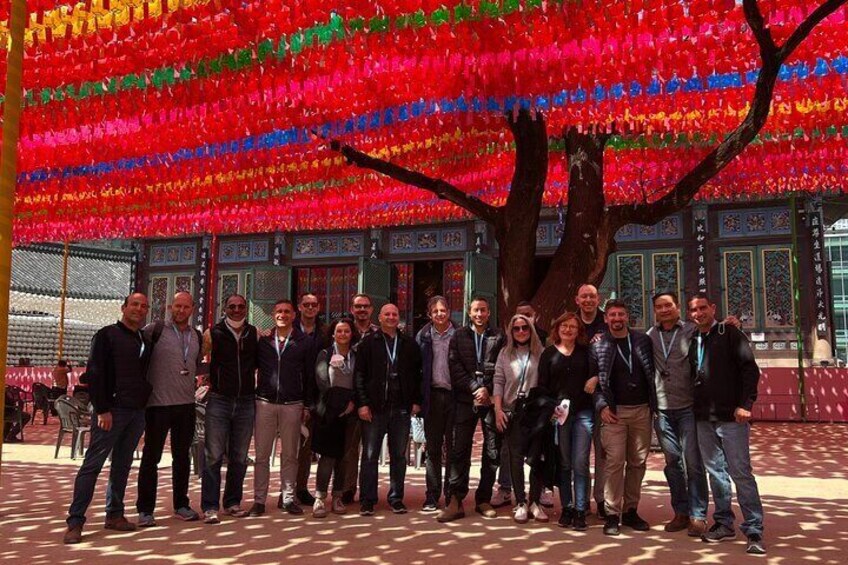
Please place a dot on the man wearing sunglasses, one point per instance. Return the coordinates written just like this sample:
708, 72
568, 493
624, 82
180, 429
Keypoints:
309, 322
361, 309
230, 408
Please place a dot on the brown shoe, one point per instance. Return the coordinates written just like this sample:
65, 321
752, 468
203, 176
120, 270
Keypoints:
73, 535
119, 524
678, 524
486, 510
453, 511
697, 528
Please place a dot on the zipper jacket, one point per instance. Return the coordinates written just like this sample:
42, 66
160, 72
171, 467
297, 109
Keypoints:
232, 371
287, 377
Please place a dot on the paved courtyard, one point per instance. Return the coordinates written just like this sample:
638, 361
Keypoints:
801, 469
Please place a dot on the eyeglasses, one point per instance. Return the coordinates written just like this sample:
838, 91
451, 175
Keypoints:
309, 304
521, 328
236, 307
361, 306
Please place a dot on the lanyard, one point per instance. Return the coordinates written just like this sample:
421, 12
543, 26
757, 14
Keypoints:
701, 346
277, 345
346, 365
141, 349
667, 352
523, 361
629, 358
391, 353
478, 346
183, 343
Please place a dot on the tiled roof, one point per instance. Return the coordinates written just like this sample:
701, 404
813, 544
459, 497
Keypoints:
38, 270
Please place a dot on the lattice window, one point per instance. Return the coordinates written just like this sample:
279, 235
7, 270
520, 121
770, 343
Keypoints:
777, 288
158, 298
666, 272
739, 286
631, 286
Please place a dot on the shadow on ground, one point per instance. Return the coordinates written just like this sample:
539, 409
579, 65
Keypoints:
800, 469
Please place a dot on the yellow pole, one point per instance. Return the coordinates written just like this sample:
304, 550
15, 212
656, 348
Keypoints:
8, 174
62, 305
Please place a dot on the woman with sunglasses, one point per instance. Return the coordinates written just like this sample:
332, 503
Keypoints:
564, 374
336, 412
516, 375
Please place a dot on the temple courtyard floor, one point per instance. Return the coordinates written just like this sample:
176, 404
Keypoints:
800, 468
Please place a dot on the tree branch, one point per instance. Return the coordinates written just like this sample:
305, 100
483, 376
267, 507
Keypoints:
772, 58
440, 188
758, 27
803, 30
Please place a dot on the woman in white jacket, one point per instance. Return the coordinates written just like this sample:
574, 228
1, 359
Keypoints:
516, 374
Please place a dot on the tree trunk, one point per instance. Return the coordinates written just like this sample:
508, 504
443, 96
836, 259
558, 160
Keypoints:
587, 238
515, 230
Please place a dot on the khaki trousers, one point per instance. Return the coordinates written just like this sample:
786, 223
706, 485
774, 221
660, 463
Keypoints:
627, 445
272, 420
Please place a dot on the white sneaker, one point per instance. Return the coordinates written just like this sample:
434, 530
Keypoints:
318, 509
538, 513
547, 499
519, 513
501, 498
211, 517
338, 505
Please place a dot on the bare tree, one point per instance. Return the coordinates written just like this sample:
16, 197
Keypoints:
590, 226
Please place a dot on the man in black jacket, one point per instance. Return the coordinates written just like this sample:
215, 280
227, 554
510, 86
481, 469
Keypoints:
117, 371
284, 394
623, 360
588, 301
309, 322
726, 379
387, 379
230, 409
472, 355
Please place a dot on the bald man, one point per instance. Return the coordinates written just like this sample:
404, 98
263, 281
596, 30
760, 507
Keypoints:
387, 379
176, 354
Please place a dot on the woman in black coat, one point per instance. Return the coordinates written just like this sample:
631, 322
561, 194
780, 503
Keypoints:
564, 373
336, 411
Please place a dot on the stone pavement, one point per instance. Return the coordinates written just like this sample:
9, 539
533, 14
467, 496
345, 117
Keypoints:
801, 470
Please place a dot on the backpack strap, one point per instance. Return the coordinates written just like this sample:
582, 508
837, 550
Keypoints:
158, 327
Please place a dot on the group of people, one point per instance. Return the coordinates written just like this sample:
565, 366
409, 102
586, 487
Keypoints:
339, 391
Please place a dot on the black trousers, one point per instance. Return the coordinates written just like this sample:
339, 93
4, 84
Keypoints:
159, 420
465, 424
517, 446
438, 431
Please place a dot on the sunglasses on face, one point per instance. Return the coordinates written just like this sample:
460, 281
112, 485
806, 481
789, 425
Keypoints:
521, 328
236, 307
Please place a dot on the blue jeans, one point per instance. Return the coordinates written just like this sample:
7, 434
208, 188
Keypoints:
574, 442
121, 440
678, 436
394, 422
504, 473
229, 426
725, 451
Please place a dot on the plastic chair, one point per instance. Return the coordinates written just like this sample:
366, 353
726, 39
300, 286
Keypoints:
14, 412
69, 423
40, 400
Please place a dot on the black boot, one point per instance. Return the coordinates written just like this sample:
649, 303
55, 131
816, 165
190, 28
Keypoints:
611, 525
